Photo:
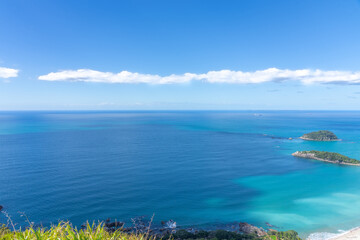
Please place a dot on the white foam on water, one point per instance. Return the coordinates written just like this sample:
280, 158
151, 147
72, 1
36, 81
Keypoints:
329, 236
322, 236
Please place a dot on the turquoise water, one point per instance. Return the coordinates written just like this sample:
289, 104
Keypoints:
198, 168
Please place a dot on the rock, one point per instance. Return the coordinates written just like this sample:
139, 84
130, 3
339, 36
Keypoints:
270, 225
115, 224
129, 229
1, 207
250, 229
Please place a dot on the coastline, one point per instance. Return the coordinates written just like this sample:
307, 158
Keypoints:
308, 156
353, 233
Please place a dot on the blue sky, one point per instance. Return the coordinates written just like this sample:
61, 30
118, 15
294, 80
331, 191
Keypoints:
179, 54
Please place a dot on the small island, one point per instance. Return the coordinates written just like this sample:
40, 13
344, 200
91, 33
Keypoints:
322, 135
330, 157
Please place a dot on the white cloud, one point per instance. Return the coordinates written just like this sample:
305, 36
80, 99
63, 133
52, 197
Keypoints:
306, 76
8, 72
87, 75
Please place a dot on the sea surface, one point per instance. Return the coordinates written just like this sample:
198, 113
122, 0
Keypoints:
198, 168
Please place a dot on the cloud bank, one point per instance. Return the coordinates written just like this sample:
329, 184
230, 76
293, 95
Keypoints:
8, 72
306, 76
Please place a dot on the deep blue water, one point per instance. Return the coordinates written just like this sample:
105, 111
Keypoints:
198, 168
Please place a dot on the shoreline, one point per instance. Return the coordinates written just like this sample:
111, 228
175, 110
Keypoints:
353, 233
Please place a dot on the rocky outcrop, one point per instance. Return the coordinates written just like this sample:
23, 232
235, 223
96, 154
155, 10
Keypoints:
304, 154
114, 224
250, 229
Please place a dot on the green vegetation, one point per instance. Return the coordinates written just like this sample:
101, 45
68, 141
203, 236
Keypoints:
66, 231
331, 156
213, 235
227, 235
322, 135
288, 235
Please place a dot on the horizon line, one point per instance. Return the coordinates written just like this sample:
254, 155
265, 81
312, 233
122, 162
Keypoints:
173, 110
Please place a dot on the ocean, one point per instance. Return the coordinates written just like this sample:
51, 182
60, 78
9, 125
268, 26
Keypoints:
199, 168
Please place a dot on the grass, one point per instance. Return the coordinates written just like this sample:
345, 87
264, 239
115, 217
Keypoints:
65, 231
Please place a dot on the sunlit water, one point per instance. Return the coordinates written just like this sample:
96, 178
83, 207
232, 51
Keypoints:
198, 168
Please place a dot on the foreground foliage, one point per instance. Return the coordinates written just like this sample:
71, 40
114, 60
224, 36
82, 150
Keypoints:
65, 231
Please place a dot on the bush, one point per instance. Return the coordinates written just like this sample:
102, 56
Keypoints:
287, 235
183, 234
